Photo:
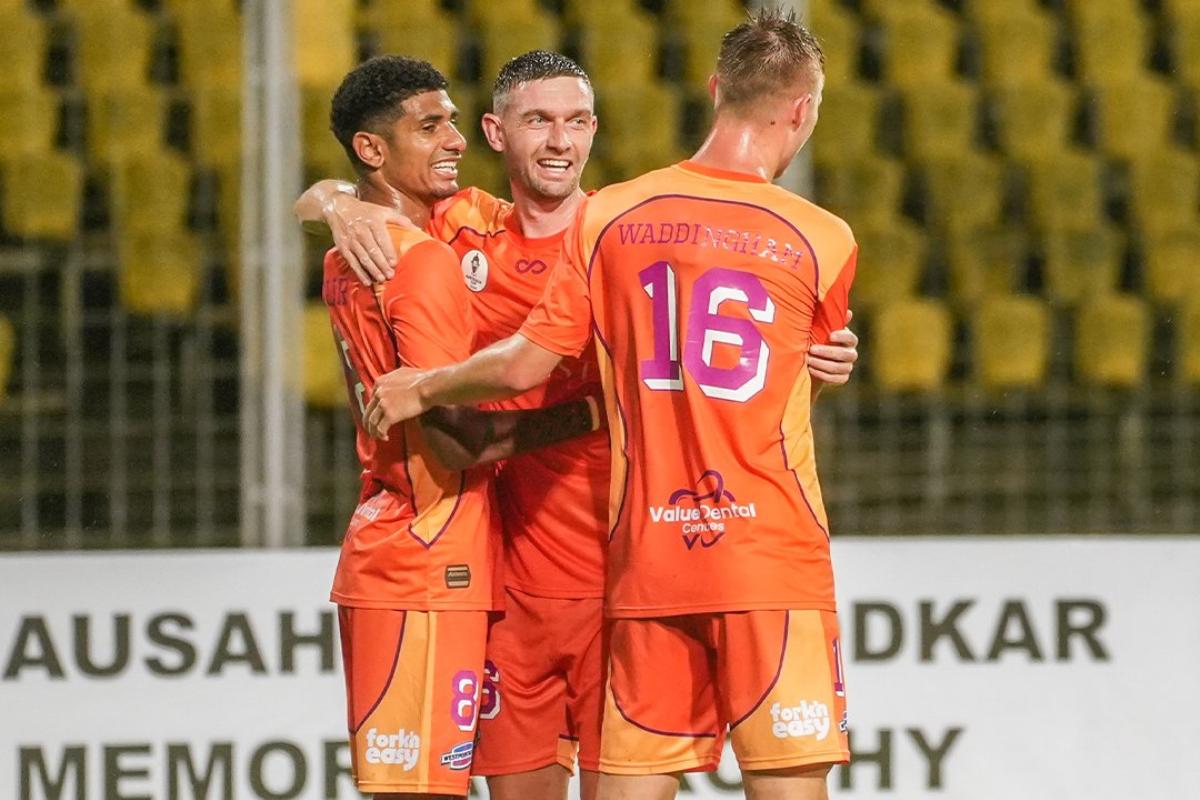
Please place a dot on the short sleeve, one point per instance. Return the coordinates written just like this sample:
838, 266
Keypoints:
427, 307
470, 208
561, 322
830, 313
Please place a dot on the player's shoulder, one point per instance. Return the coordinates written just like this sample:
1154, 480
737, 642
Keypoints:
814, 220
471, 208
416, 245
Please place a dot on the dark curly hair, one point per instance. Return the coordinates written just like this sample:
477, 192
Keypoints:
371, 96
536, 65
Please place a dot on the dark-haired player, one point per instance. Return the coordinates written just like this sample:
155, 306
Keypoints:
704, 285
414, 583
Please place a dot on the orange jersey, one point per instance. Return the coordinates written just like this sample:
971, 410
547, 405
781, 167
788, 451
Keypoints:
420, 539
706, 288
552, 501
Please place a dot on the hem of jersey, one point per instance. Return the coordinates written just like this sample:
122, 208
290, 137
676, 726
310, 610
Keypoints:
412, 787
812, 759
411, 605
648, 612
553, 347
528, 765
709, 764
554, 594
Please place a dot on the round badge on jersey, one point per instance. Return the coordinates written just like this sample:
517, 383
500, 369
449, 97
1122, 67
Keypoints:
475, 270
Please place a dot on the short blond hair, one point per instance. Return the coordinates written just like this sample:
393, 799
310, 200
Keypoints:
766, 54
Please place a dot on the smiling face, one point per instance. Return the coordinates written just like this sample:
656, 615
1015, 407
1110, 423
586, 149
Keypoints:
545, 130
420, 151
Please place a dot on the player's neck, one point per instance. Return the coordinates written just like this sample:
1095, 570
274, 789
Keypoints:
373, 189
540, 217
738, 146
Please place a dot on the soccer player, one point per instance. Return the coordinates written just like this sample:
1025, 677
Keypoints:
704, 285
414, 583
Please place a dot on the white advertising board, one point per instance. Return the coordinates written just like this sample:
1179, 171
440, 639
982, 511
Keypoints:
977, 670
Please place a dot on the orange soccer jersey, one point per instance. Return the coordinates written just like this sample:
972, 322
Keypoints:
706, 289
551, 501
420, 538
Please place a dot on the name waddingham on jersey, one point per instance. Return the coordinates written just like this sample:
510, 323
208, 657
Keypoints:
735, 241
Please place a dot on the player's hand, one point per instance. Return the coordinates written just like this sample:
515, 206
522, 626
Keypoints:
834, 362
360, 234
394, 399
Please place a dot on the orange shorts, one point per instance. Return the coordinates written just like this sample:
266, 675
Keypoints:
678, 684
545, 679
413, 684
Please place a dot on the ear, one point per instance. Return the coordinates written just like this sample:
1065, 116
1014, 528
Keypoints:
369, 149
712, 87
801, 108
492, 132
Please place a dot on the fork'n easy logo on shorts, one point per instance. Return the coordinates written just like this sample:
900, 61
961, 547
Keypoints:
809, 718
701, 512
460, 756
402, 748
458, 576
475, 270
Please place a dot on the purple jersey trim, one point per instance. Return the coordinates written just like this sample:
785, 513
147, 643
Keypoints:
648, 729
787, 618
391, 676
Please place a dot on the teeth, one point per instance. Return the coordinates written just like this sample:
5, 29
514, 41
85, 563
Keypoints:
554, 164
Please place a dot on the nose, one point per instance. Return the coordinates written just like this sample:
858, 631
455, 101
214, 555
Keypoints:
558, 139
455, 142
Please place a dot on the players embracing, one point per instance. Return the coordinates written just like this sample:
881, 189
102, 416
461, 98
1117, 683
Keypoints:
545, 658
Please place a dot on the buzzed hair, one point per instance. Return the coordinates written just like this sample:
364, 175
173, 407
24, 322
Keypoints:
766, 54
536, 65
372, 95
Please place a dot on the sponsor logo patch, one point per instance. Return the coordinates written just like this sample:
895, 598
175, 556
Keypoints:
458, 576
807, 718
702, 511
402, 748
460, 756
475, 270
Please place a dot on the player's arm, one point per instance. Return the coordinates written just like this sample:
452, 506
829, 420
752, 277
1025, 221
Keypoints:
359, 228
463, 437
834, 351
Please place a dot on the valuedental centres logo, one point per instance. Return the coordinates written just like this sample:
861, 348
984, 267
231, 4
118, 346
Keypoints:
702, 511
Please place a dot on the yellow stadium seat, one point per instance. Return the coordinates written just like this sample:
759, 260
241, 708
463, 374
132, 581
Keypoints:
621, 55
1112, 335
324, 376
210, 45
216, 125
849, 123
891, 260
506, 38
1010, 340
940, 119
840, 38
865, 191
325, 44
30, 117
160, 273
1065, 191
911, 345
702, 34
988, 10
1187, 343
1184, 36
920, 48
151, 193
1017, 49
113, 47
1164, 190
484, 13
124, 122
1104, 11
1079, 264
1110, 48
1134, 117
42, 196
1034, 120
433, 39
624, 111
1170, 259
8, 347
324, 156
983, 263
483, 168
585, 14
963, 192
22, 48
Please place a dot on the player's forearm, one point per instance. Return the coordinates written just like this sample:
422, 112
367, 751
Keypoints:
462, 437
312, 206
503, 370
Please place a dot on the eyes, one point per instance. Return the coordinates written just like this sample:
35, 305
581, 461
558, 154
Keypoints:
578, 123
431, 126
